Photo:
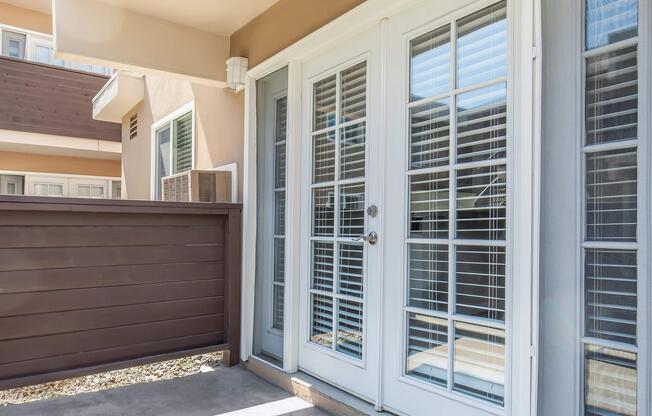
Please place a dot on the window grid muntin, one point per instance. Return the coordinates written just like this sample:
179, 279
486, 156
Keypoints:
336, 128
452, 241
585, 245
279, 217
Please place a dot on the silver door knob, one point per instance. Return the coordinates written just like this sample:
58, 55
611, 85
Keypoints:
372, 238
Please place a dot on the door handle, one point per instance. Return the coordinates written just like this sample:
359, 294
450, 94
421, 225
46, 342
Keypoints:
372, 238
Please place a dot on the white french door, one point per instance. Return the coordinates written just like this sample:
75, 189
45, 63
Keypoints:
410, 268
450, 243
339, 280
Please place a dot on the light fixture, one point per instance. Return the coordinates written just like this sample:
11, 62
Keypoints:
236, 73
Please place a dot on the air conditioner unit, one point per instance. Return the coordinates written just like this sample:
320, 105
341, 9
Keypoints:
197, 186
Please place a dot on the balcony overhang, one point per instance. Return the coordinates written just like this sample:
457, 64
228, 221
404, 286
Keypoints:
183, 39
120, 94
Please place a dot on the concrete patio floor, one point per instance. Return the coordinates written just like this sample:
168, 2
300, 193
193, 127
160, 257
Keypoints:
223, 392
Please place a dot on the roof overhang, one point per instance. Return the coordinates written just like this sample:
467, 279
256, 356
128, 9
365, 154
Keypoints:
120, 94
187, 39
47, 144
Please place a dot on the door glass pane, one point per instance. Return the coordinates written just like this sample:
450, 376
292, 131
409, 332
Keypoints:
354, 93
480, 282
612, 97
430, 134
427, 356
429, 199
482, 124
428, 276
338, 210
611, 294
482, 46
430, 64
277, 308
352, 151
480, 362
349, 328
481, 203
610, 382
610, 21
611, 195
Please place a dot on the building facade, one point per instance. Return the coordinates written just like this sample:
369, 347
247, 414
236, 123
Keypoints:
446, 208
49, 143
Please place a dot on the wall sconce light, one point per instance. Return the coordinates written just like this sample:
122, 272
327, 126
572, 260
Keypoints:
236, 73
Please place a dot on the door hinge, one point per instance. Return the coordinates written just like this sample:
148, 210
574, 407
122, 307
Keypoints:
533, 351
534, 52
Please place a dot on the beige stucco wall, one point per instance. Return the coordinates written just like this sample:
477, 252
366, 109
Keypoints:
30, 162
283, 24
25, 18
219, 130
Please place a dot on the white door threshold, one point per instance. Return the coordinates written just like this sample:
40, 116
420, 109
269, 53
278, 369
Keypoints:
322, 395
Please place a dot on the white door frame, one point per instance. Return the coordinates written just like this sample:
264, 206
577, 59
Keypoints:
526, 81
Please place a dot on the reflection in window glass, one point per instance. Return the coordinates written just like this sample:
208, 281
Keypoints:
482, 46
480, 362
610, 21
430, 64
610, 382
427, 355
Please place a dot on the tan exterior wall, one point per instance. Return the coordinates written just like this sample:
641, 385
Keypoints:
283, 24
30, 162
219, 130
25, 18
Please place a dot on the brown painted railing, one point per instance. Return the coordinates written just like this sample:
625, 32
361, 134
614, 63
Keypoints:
93, 285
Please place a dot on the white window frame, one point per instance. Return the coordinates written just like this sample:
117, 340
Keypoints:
162, 122
526, 39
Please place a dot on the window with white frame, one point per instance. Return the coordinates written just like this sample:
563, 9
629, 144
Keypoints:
13, 44
456, 306
173, 149
611, 208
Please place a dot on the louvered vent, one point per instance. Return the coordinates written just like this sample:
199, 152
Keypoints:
133, 126
206, 187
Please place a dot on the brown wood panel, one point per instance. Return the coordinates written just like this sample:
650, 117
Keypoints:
86, 277
119, 235
61, 344
86, 285
85, 320
102, 297
50, 100
84, 358
70, 257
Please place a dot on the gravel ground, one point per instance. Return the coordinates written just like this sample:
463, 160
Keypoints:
164, 370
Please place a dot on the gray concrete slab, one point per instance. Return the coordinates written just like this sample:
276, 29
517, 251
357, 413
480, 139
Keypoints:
224, 392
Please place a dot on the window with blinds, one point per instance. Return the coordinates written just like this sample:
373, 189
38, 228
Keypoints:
611, 211
337, 292
278, 281
174, 149
457, 222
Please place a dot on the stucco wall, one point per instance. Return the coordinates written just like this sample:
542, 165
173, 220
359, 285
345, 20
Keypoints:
219, 130
30, 162
283, 24
25, 18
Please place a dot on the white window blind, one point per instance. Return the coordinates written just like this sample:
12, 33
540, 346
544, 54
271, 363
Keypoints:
182, 157
457, 200
611, 209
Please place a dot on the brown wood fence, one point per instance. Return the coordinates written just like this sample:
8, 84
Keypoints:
90, 285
